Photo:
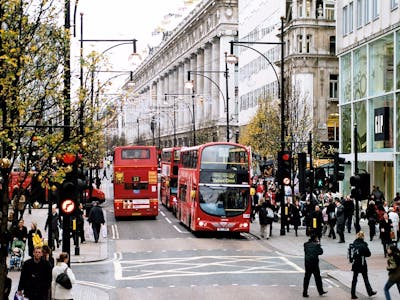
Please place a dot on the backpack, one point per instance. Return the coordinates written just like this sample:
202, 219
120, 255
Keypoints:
352, 253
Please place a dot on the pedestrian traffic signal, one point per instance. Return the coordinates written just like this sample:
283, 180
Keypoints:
284, 167
320, 176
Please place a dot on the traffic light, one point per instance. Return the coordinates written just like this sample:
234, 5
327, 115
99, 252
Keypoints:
338, 168
361, 186
284, 167
302, 166
320, 177
309, 180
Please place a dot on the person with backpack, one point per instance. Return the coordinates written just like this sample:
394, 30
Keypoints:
393, 267
312, 250
372, 218
360, 251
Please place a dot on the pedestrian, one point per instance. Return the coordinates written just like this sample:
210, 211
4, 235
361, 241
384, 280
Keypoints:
288, 213
80, 224
20, 232
385, 228
348, 212
372, 218
58, 291
266, 217
393, 267
316, 222
331, 218
96, 219
312, 251
56, 223
48, 255
378, 196
296, 216
360, 265
35, 279
7, 285
394, 217
340, 219
31, 244
104, 174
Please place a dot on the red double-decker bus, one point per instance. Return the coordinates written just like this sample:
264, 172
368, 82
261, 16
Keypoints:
170, 164
135, 181
214, 187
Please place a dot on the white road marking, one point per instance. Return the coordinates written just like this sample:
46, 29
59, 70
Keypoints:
168, 220
95, 284
180, 231
331, 282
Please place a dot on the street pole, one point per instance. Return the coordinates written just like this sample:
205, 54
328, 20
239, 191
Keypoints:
357, 221
194, 118
66, 239
227, 97
282, 189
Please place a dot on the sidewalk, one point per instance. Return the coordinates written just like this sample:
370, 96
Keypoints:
89, 252
335, 254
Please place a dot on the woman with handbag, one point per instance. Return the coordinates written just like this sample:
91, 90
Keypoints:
393, 266
34, 238
58, 291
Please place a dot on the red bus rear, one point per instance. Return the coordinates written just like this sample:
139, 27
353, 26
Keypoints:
170, 164
135, 181
214, 187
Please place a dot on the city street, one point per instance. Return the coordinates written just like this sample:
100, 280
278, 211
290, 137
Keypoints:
161, 259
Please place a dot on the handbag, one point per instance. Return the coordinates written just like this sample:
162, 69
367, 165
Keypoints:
392, 235
37, 240
63, 280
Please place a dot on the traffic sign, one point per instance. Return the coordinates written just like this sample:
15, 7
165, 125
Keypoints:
68, 206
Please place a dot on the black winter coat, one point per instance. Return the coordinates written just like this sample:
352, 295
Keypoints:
262, 214
96, 215
360, 263
311, 252
35, 278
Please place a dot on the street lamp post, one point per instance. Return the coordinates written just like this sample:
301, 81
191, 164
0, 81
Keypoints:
233, 59
190, 84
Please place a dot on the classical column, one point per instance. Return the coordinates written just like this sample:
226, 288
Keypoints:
215, 94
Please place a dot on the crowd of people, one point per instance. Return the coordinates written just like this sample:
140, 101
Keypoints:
330, 215
39, 272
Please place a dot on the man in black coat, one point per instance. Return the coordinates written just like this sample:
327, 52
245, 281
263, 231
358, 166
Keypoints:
35, 279
96, 218
360, 265
348, 212
312, 249
316, 222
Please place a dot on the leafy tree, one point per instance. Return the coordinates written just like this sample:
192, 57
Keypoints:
263, 131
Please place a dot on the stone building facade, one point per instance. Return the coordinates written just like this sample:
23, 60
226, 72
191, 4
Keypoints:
161, 110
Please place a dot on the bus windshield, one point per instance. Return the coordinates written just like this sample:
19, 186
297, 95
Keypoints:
222, 200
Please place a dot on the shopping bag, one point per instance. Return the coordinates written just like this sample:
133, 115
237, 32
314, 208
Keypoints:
104, 231
18, 297
37, 240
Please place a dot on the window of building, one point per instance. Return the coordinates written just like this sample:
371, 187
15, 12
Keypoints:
381, 125
350, 17
367, 11
330, 11
332, 45
300, 9
300, 43
333, 86
359, 11
346, 128
360, 118
308, 8
398, 61
360, 73
375, 9
345, 78
394, 4
308, 43
345, 21
381, 62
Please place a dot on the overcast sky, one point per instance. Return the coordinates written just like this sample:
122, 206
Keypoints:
127, 19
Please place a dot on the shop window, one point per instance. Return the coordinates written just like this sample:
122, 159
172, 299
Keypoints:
346, 128
360, 118
345, 78
360, 73
381, 125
